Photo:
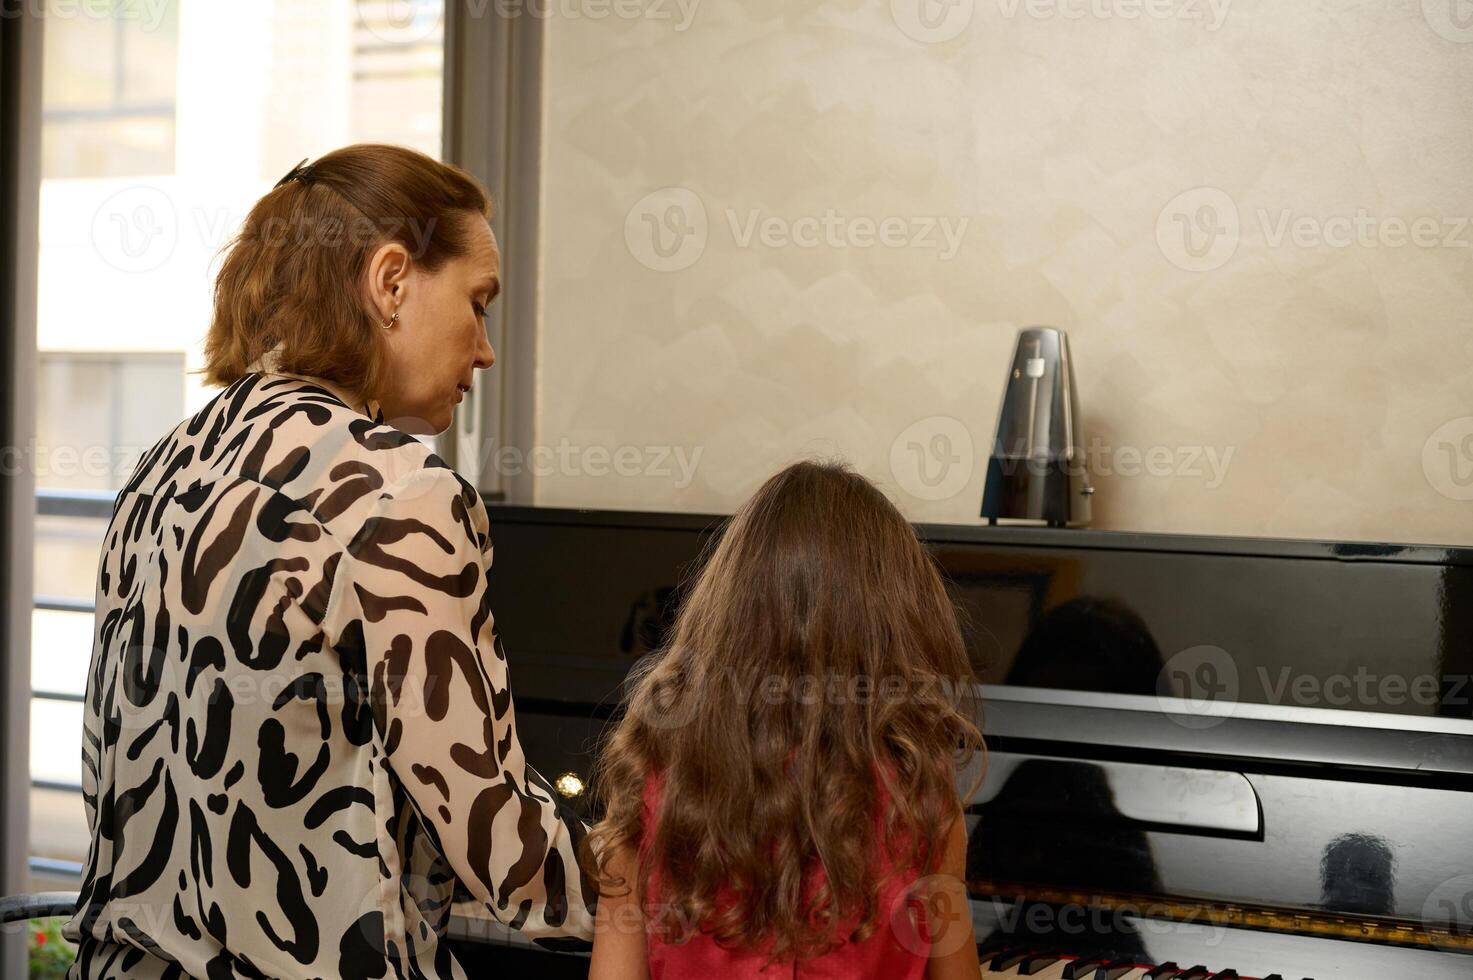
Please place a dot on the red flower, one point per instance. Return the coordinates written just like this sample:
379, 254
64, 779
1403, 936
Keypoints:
40, 938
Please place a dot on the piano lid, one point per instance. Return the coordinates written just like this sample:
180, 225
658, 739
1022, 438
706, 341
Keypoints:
1191, 622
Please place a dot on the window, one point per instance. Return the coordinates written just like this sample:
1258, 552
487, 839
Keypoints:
161, 125
110, 84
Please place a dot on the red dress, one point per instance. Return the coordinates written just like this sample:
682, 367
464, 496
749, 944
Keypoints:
898, 948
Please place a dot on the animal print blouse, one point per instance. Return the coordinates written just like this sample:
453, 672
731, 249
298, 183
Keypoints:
298, 733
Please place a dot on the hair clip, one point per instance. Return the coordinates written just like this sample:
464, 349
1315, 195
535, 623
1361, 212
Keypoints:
301, 172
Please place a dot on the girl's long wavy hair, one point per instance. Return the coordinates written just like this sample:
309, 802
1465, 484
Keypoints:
816, 652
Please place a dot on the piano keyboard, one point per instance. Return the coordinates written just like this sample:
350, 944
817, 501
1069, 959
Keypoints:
1050, 966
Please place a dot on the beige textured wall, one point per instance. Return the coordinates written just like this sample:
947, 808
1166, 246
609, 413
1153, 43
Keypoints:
1251, 216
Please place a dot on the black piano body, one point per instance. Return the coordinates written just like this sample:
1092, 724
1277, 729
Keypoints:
1251, 755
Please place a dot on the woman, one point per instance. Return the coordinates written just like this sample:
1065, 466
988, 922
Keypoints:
299, 736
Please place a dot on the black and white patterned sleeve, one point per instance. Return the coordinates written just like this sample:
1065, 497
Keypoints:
414, 580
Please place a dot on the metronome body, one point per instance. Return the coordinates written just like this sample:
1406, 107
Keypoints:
1037, 468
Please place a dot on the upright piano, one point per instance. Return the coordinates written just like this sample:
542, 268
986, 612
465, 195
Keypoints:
1207, 757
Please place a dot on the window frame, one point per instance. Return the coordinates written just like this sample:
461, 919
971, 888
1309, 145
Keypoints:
492, 127
20, 181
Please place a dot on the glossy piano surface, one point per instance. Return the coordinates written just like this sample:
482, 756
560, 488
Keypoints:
1269, 724
1381, 628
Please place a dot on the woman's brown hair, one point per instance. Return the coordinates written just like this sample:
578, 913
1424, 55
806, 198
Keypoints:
816, 652
293, 277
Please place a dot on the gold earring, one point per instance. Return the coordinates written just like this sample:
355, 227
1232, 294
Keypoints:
392, 320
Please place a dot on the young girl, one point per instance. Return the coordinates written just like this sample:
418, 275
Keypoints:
779, 797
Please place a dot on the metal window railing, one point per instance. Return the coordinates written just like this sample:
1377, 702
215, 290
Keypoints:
55, 868
65, 503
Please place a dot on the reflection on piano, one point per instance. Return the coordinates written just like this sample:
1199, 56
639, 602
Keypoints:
1208, 757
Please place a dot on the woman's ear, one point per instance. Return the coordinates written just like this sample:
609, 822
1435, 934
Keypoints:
388, 275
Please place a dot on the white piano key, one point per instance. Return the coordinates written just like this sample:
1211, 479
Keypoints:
1053, 971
